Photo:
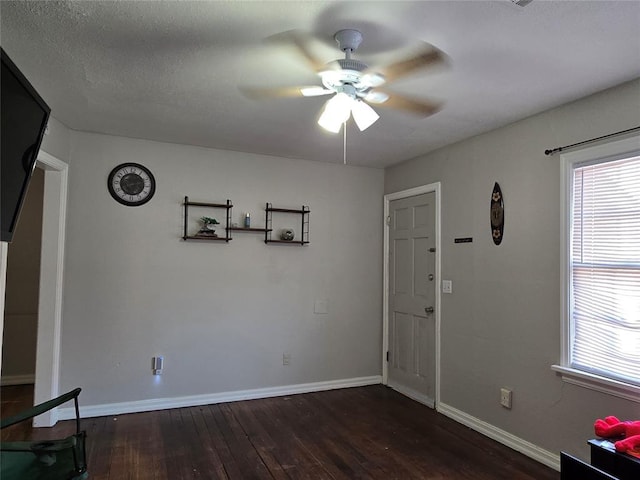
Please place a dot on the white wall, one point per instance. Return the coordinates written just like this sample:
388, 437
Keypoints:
221, 314
501, 325
57, 139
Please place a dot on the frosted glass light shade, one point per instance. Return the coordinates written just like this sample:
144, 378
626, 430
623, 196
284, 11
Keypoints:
363, 114
336, 111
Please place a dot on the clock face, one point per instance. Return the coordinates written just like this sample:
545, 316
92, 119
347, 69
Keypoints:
131, 184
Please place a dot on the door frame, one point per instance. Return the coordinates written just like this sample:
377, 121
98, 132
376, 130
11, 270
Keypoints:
388, 198
54, 210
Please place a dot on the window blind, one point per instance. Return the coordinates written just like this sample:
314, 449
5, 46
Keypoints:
605, 269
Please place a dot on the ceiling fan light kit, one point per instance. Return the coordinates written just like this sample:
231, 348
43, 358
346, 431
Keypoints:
363, 114
353, 84
336, 111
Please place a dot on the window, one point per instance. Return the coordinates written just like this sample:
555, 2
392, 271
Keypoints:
601, 268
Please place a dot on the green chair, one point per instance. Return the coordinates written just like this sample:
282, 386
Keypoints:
63, 459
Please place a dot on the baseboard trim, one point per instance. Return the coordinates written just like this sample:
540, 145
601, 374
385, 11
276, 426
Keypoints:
413, 394
545, 457
137, 406
17, 380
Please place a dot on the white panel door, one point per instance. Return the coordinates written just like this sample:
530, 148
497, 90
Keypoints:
412, 284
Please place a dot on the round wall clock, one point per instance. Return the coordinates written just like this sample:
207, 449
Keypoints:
497, 214
131, 184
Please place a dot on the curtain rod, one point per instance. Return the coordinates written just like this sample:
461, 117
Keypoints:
559, 149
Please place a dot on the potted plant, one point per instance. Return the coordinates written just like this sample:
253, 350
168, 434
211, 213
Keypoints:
208, 225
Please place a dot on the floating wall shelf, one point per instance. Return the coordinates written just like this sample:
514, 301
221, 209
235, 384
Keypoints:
226, 227
208, 238
303, 222
250, 229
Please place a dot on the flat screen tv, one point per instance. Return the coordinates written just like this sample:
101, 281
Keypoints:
24, 119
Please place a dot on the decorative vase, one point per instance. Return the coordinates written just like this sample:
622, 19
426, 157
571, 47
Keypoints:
287, 234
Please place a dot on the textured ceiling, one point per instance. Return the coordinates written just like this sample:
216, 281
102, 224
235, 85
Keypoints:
170, 71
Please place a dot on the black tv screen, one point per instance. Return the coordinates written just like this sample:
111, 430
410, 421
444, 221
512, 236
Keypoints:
24, 119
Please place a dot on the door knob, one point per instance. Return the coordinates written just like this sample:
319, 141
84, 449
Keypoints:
428, 310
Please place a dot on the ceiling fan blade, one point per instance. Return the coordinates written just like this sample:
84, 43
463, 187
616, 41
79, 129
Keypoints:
419, 107
427, 56
261, 93
315, 91
303, 42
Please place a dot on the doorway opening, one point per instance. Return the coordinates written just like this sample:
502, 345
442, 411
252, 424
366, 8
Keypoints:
21, 294
50, 283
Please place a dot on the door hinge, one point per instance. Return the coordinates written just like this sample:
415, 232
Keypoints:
387, 355
388, 220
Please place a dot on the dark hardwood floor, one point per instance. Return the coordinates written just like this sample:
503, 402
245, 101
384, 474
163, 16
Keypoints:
366, 433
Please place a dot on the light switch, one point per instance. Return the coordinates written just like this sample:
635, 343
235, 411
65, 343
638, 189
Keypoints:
447, 286
320, 307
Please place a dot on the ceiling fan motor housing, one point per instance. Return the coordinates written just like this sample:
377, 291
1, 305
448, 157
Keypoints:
352, 64
349, 78
346, 81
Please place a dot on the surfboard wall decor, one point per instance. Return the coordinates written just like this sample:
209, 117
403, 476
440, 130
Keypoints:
497, 214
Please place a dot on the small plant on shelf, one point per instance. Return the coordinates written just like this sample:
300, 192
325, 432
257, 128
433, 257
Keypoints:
209, 221
208, 226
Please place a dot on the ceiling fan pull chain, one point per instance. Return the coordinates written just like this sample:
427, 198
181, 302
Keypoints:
344, 144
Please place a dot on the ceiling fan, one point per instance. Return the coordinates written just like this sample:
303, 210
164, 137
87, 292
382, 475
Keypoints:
352, 84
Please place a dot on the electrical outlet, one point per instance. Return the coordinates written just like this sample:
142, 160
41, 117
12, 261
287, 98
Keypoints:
447, 286
505, 397
286, 358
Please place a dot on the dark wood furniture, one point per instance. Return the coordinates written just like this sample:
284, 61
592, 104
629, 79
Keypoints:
620, 465
606, 464
572, 468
